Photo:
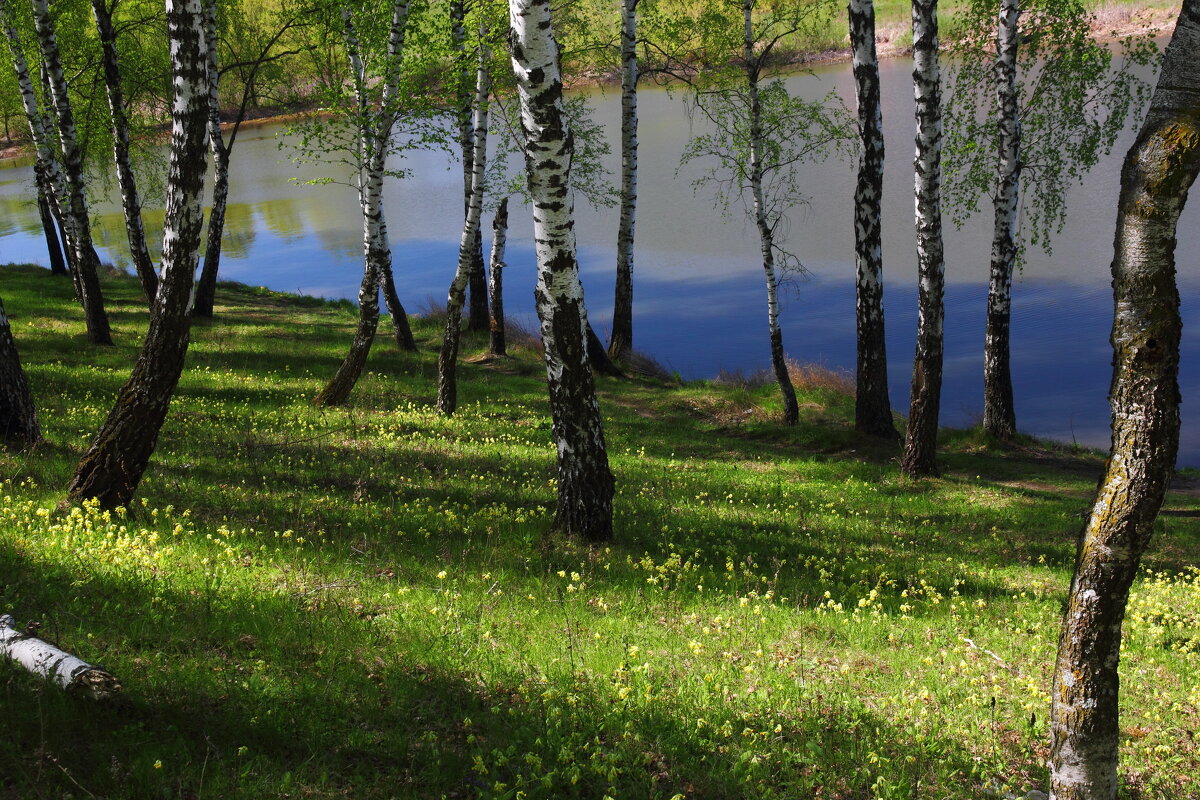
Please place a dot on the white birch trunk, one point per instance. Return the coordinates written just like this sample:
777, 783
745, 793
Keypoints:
499, 346
585, 484
872, 403
113, 466
447, 399
620, 341
999, 413
202, 305
47, 164
374, 133
135, 231
87, 266
57, 666
920, 447
791, 410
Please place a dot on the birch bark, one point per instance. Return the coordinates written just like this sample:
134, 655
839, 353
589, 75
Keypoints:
131, 204
498, 345
206, 286
872, 403
112, 467
447, 398
374, 134
999, 413
920, 447
18, 416
47, 174
58, 666
585, 484
620, 341
477, 319
87, 266
766, 233
1158, 172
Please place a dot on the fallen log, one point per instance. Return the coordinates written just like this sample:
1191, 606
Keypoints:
55, 665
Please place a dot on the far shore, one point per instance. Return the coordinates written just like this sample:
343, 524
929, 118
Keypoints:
1113, 22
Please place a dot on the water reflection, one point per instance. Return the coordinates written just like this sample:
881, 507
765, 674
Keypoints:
699, 304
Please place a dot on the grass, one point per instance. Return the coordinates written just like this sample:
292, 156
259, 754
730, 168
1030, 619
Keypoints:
364, 602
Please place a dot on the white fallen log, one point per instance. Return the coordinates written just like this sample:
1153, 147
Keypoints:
55, 665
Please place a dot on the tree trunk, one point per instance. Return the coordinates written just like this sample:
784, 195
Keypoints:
872, 404
50, 229
496, 276
49, 177
112, 468
791, 410
401, 330
1159, 169
620, 341
18, 417
447, 397
999, 414
206, 286
920, 447
598, 356
585, 484
57, 666
134, 230
374, 136
478, 318
87, 266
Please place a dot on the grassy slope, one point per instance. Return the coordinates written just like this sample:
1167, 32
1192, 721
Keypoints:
362, 603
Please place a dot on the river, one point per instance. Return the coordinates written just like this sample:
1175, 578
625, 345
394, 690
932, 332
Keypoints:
699, 303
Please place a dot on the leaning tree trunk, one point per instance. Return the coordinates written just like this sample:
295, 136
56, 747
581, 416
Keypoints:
401, 330
620, 341
791, 410
87, 265
920, 447
206, 286
585, 484
999, 413
49, 177
1159, 169
374, 136
477, 318
49, 228
18, 417
872, 404
113, 466
134, 230
447, 396
496, 279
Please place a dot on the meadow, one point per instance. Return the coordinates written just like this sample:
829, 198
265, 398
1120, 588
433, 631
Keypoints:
366, 602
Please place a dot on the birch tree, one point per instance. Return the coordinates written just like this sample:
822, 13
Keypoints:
620, 340
47, 174
264, 50
585, 484
86, 272
759, 137
447, 397
131, 203
1159, 170
1035, 102
497, 345
920, 445
18, 416
872, 404
113, 465
362, 136
477, 319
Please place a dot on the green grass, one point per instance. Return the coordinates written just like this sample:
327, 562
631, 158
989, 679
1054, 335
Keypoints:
364, 602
